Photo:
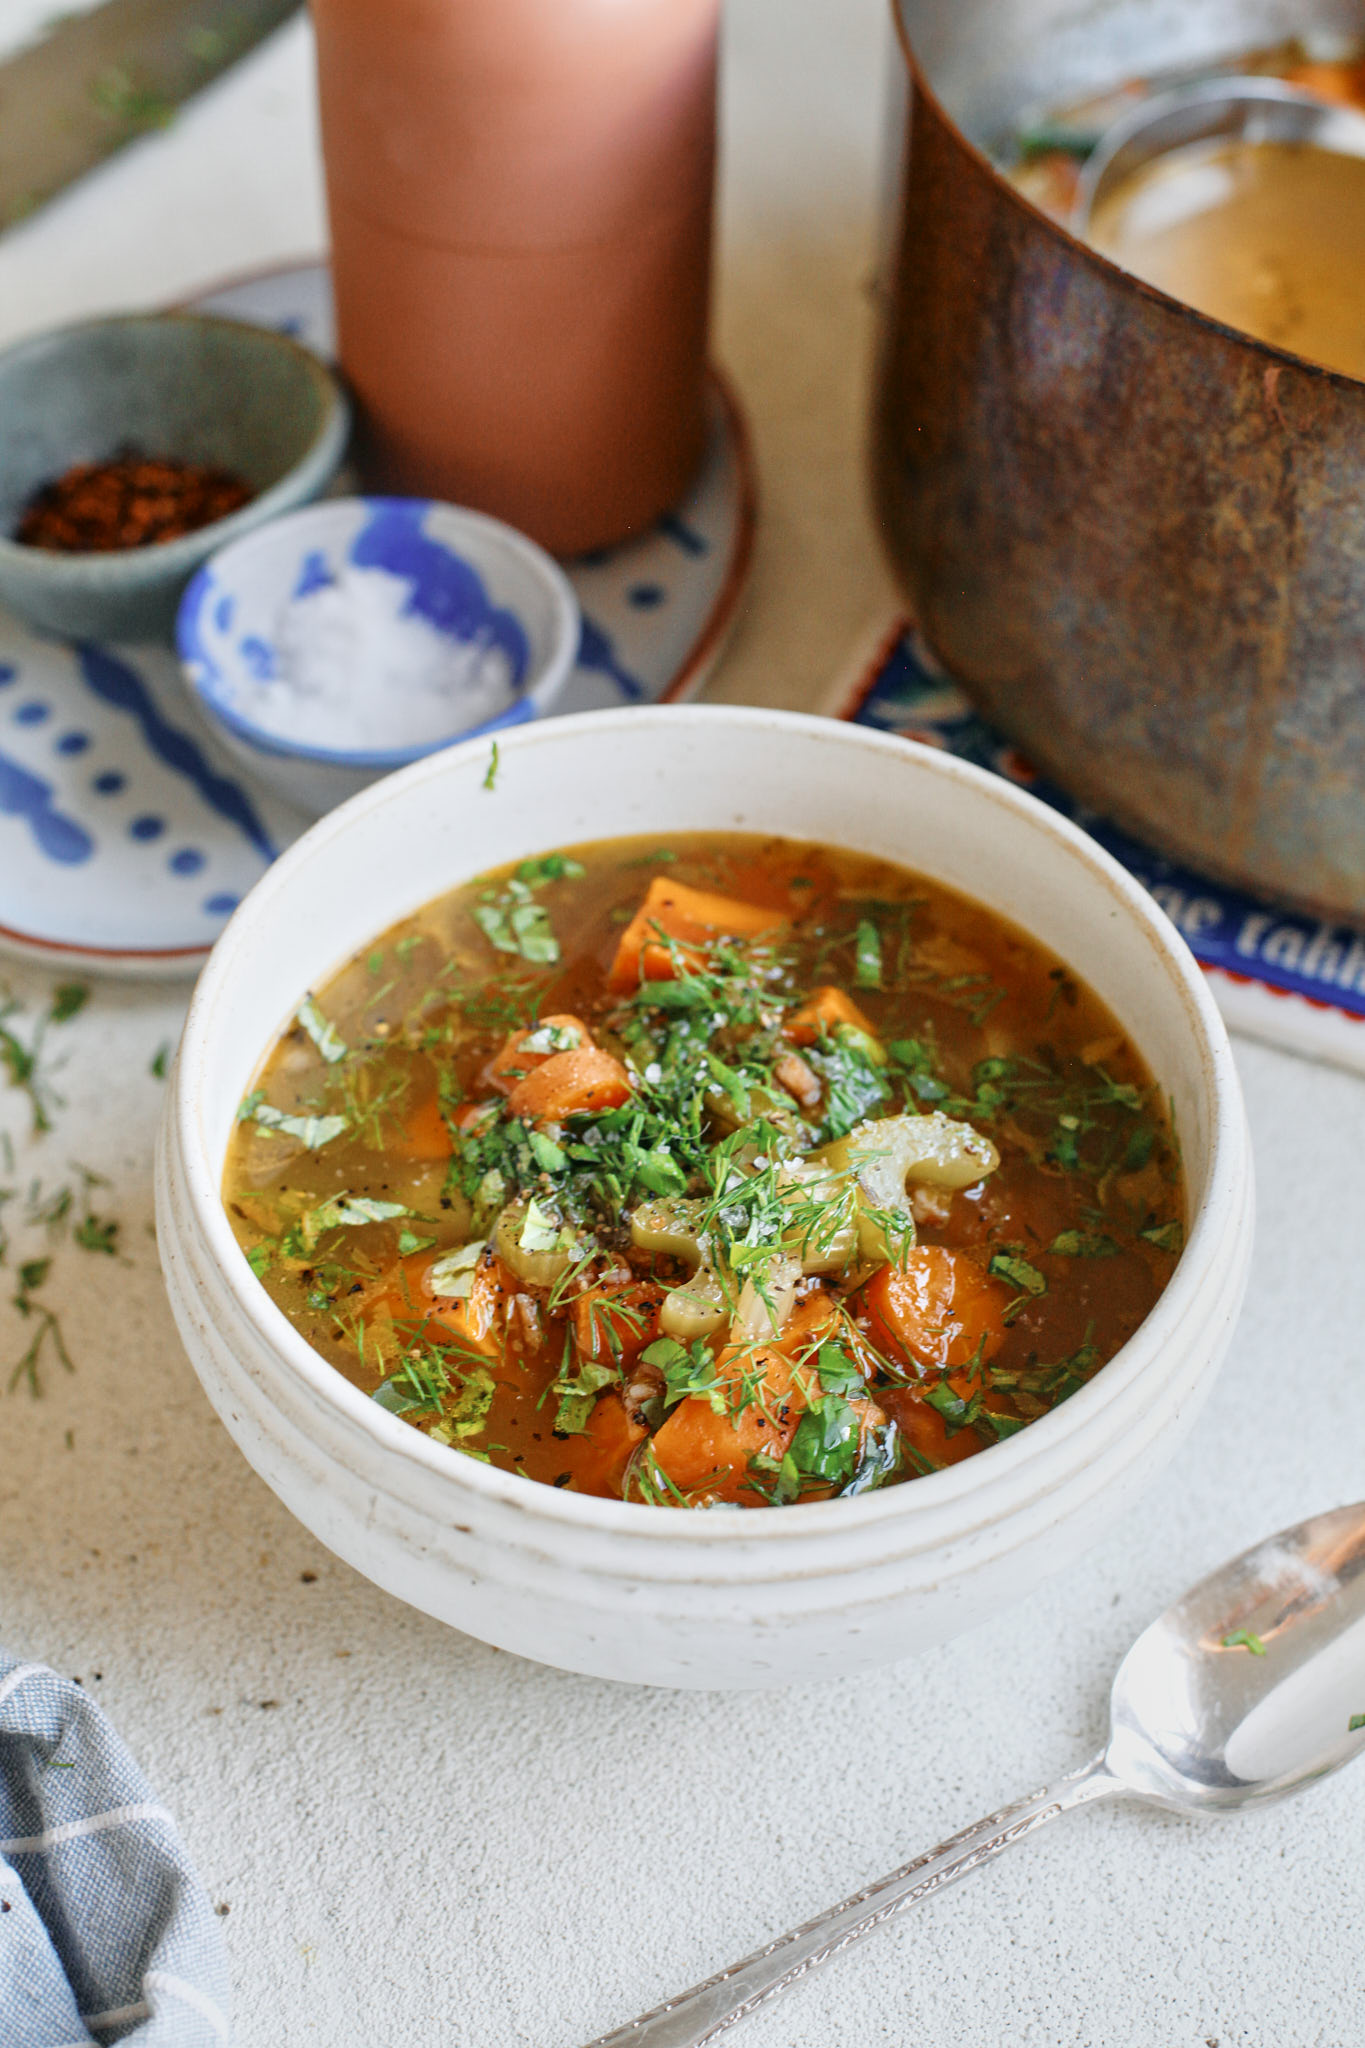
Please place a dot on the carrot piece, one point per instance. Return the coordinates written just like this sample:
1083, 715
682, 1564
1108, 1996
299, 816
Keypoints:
937, 1307
422, 1132
570, 1084
476, 1319
401, 1297
695, 919
827, 1008
599, 1457
925, 1429
617, 1323
398, 1294
699, 1450
514, 1062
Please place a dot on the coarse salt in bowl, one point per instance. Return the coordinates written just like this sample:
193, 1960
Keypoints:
333, 646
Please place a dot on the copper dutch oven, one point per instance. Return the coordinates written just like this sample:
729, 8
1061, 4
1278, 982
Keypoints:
1136, 536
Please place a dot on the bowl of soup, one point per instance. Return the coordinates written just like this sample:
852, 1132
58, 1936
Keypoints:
703, 1196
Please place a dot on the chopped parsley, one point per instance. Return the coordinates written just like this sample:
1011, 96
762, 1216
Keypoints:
1019, 1272
1083, 1244
325, 1036
312, 1132
867, 971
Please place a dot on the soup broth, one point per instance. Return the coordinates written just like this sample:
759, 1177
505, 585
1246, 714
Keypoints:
721, 1172
1265, 236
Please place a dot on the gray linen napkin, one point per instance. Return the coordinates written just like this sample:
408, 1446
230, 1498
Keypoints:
105, 1932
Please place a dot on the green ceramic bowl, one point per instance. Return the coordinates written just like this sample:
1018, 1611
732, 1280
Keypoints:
185, 385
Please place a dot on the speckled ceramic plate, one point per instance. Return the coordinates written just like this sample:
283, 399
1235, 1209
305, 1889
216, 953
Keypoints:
127, 836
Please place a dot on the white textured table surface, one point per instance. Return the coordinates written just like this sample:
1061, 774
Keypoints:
420, 1840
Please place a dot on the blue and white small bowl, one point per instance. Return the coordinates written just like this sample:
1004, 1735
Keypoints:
335, 645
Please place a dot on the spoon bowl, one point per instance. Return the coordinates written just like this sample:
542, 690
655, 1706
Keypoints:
1241, 1693
1246, 1688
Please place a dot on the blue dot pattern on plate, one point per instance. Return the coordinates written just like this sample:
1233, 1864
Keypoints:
32, 713
122, 830
258, 656
314, 574
71, 870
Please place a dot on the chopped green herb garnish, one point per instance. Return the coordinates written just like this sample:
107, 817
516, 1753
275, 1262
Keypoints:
957, 1413
688, 1369
551, 1157
1018, 1272
550, 867
1244, 1639
325, 1036
1083, 1244
867, 972
312, 1132
491, 776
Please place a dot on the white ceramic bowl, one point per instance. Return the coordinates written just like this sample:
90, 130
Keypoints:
626, 1591
334, 646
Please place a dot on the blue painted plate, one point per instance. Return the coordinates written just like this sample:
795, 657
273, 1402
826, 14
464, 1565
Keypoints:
128, 836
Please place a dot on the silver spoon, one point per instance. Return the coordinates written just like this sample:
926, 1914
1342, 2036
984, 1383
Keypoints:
1244, 1691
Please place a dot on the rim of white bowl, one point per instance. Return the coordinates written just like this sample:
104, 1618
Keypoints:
286, 533
976, 1476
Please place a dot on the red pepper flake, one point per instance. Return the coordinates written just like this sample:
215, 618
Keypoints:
133, 501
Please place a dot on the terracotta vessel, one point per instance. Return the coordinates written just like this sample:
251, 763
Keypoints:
521, 201
1134, 535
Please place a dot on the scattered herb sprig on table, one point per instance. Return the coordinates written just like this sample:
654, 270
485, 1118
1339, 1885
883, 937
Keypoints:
22, 1059
67, 1212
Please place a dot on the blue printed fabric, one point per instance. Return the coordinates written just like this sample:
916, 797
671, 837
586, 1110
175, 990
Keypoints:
1226, 929
105, 1931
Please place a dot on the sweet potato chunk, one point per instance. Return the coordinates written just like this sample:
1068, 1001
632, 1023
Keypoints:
695, 919
937, 1308
570, 1084
400, 1302
827, 1008
766, 1389
602, 1453
617, 1323
925, 1429
532, 1046
421, 1133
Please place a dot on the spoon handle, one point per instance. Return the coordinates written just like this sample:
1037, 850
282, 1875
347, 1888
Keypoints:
699, 2015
